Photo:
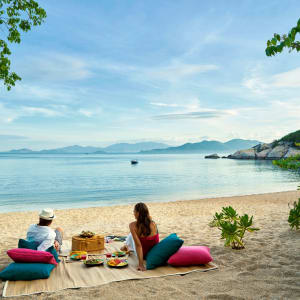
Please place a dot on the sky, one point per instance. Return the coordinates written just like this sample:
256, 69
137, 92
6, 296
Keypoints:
174, 71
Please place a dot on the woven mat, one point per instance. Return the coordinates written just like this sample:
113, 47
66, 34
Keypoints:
76, 275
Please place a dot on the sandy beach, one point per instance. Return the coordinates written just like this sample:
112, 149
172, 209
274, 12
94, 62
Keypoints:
268, 268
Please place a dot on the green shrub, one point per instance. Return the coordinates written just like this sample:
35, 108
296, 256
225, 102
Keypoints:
294, 217
233, 227
292, 162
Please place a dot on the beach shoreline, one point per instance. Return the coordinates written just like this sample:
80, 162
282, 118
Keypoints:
132, 203
268, 266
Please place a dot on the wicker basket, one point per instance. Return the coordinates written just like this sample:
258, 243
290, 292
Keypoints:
92, 244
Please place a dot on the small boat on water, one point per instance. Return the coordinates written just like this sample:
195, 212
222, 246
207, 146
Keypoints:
134, 162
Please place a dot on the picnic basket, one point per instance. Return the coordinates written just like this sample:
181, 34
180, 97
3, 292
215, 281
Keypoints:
91, 244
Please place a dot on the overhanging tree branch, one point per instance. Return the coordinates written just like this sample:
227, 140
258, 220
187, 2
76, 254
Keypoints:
278, 43
17, 16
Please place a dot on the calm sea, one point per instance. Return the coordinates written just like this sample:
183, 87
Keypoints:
30, 182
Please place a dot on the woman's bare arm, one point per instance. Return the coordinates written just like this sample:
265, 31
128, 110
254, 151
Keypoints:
138, 246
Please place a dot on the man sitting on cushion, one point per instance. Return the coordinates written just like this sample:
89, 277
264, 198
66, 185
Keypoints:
43, 234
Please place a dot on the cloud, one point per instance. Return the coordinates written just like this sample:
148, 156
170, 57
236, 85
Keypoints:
191, 104
263, 85
170, 72
55, 67
5, 137
193, 115
176, 71
40, 110
164, 104
34, 92
8, 114
90, 112
290, 79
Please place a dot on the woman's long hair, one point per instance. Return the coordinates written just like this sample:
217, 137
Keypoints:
143, 221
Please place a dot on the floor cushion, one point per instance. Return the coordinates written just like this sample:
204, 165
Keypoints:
54, 253
190, 255
28, 255
26, 271
34, 245
27, 245
162, 251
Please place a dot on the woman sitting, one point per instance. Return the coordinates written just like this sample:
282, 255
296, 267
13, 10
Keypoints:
143, 234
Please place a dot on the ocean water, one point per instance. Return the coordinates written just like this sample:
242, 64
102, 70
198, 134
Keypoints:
30, 182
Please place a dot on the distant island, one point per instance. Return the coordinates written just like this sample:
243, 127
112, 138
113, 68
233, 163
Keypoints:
147, 148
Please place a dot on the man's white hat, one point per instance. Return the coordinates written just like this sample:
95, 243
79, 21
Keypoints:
47, 214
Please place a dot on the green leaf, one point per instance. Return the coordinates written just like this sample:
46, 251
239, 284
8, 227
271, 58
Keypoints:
274, 41
229, 213
278, 37
252, 229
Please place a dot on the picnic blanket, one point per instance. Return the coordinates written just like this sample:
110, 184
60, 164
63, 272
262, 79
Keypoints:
76, 275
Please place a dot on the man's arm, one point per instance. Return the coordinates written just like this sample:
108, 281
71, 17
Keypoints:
46, 244
48, 241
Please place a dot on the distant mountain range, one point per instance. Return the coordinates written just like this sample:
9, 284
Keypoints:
115, 148
133, 148
207, 146
148, 148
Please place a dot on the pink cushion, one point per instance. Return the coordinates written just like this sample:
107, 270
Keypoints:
28, 255
190, 255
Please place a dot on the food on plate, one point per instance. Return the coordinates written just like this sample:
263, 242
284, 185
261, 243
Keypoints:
119, 253
116, 262
86, 234
78, 255
94, 262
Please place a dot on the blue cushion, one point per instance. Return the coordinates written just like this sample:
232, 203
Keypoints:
54, 253
27, 245
26, 271
161, 252
34, 245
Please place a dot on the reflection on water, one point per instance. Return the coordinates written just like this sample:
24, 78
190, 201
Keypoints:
29, 182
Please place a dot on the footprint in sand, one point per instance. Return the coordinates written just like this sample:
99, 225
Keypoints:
224, 297
252, 267
245, 274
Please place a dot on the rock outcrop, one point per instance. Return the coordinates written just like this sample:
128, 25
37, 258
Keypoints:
292, 152
244, 154
214, 156
275, 150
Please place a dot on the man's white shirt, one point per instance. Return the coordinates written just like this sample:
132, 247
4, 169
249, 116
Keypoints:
43, 235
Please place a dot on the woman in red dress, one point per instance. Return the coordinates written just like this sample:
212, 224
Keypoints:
143, 234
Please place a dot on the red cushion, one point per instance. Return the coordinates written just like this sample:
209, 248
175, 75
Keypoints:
22, 255
190, 255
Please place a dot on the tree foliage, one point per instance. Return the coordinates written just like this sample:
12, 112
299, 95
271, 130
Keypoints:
292, 137
279, 42
16, 16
